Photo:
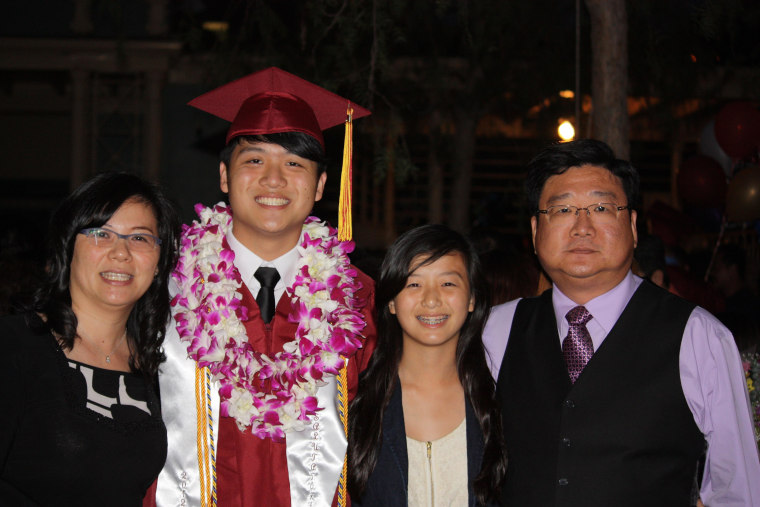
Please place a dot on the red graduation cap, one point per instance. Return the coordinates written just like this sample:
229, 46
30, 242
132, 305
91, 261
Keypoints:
272, 101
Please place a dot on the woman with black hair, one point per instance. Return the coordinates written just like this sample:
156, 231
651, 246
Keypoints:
425, 428
81, 422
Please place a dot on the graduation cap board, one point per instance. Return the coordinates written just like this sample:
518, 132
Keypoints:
273, 101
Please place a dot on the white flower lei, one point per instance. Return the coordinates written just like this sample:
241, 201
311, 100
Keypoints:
276, 394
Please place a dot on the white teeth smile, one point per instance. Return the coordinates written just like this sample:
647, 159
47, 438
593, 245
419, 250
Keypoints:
116, 277
272, 201
432, 320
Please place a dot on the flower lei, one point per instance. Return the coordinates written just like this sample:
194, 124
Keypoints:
276, 394
751, 364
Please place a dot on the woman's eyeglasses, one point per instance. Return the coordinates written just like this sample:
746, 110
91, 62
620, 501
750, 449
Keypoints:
137, 242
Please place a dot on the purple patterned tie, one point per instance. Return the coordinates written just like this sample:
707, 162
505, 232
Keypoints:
577, 346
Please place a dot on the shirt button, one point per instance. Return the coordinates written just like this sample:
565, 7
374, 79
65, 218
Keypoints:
569, 403
562, 482
566, 441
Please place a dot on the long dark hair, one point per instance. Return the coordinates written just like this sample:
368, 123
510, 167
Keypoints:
377, 383
92, 205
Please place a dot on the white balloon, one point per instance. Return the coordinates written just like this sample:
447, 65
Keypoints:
708, 145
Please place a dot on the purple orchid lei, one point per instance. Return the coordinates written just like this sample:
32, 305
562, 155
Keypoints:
276, 394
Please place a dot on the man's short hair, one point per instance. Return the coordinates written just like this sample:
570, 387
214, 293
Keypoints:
297, 143
558, 158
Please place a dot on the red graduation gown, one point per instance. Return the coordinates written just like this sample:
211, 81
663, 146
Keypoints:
252, 471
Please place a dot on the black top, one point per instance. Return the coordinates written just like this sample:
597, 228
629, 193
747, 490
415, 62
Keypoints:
70, 433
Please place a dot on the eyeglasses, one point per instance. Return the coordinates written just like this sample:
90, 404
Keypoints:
601, 212
137, 242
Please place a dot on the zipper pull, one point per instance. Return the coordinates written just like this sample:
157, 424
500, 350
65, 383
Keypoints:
429, 448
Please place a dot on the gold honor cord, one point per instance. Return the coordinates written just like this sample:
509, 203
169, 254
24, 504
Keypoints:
204, 419
343, 412
212, 446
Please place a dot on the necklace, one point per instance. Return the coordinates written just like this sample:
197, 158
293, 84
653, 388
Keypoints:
108, 356
268, 394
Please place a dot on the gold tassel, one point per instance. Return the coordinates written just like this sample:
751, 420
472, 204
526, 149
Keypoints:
345, 230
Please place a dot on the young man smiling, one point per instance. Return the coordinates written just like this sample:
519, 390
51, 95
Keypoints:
274, 189
273, 324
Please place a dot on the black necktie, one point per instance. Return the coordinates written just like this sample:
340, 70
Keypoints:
268, 278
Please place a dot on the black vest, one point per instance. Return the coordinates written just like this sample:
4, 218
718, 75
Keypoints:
623, 434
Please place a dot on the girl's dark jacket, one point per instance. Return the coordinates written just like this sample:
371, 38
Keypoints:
389, 482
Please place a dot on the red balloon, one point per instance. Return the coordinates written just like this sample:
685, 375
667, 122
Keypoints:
702, 182
737, 129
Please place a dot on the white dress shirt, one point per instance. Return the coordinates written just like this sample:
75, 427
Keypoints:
248, 262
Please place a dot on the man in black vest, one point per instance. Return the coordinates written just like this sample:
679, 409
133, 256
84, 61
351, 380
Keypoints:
612, 387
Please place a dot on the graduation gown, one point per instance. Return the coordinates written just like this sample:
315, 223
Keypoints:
250, 471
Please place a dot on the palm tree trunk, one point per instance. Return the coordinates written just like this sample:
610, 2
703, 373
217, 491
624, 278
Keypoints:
609, 74
435, 171
464, 151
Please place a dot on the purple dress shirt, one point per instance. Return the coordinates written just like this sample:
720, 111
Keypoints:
712, 379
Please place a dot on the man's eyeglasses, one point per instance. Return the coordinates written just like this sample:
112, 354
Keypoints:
137, 242
601, 212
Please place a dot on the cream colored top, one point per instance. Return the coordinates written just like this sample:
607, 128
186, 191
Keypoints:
438, 470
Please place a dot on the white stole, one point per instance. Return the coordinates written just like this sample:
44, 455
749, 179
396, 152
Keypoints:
179, 480
314, 455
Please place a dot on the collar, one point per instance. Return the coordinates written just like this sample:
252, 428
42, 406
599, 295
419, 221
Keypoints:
248, 262
605, 308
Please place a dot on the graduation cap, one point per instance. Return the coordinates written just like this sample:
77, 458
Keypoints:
273, 101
